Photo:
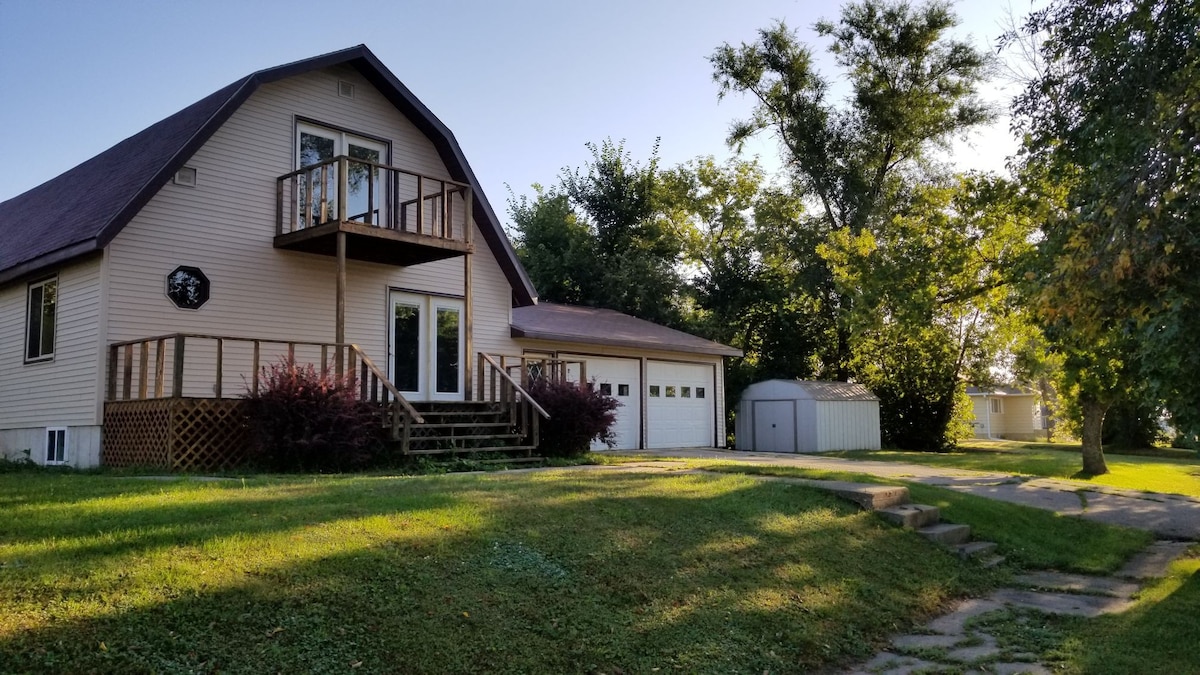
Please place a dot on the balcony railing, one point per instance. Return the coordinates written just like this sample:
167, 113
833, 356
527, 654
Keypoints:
349, 190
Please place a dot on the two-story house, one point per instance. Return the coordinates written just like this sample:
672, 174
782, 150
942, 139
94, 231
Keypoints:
315, 209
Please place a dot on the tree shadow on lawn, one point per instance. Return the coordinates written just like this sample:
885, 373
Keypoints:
571, 573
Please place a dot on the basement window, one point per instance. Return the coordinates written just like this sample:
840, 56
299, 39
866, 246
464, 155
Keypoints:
56, 445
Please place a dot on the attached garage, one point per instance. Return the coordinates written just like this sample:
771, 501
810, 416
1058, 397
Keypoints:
799, 416
670, 383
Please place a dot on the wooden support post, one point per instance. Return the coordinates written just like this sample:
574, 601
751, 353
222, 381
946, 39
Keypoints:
324, 360
127, 386
339, 325
177, 374
445, 210
143, 369
112, 373
278, 207
350, 362
370, 217
479, 388
362, 381
310, 199
468, 324
160, 367
254, 368
220, 366
324, 218
291, 353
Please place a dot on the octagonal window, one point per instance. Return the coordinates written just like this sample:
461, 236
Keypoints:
187, 287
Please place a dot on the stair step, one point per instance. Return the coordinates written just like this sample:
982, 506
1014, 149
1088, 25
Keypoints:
460, 425
464, 437
911, 516
992, 561
975, 549
947, 534
449, 451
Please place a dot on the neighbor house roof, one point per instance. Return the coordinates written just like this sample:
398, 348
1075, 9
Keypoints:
812, 390
572, 323
80, 211
997, 391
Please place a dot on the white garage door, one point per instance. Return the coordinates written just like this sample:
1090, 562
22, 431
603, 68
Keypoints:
619, 378
679, 408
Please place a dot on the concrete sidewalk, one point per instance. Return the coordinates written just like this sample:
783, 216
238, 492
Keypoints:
1169, 516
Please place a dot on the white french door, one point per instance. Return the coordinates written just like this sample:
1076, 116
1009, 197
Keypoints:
316, 144
425, 346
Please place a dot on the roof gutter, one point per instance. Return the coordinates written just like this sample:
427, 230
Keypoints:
45, 260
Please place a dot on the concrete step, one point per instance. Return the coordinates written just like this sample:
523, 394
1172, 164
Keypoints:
947, 534
911, 516
993, 561
975, 549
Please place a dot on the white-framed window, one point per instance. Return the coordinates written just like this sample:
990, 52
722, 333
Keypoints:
40, 320
56, 445
997, 406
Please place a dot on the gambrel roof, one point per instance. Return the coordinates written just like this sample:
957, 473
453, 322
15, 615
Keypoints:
80, 211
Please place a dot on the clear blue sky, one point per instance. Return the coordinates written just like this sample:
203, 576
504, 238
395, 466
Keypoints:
522, 84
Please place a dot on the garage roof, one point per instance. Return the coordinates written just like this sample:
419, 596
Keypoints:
998, 391
591, 325
811, 390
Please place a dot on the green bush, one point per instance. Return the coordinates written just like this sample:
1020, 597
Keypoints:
578, 416
305, 420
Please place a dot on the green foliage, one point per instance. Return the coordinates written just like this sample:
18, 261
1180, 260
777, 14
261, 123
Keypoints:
304, 420
1112, 118
602, 238
578, 416
900, 270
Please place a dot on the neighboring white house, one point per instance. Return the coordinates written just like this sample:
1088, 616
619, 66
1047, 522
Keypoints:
301, 209
807, 416
1006, 413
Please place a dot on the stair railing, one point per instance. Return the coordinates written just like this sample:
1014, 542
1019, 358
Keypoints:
499, 387
375, 387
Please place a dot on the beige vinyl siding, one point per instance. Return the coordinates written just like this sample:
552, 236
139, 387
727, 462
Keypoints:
61, 392
1016, 421
649, 354
225, 225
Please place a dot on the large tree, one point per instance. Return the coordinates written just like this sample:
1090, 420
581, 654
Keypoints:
1113, 116
857, 163
602, 237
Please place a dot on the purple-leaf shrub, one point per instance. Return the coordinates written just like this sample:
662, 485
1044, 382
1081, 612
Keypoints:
577, 417
305, 420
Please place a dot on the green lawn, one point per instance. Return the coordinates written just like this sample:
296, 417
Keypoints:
566, 571
1157, 471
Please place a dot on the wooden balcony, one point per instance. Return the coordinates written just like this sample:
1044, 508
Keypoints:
389, 215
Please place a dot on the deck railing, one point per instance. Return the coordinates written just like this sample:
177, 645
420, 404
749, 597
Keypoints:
349, 190
200, 365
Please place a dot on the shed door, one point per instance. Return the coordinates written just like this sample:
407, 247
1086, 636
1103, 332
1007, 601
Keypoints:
775, 426
679, 407
621, 379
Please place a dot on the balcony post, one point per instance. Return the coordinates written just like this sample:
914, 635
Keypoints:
339, 331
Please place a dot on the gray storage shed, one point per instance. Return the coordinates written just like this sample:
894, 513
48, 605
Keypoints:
807, 416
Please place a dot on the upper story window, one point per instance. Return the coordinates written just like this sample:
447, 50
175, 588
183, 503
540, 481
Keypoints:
41, 319
364, 183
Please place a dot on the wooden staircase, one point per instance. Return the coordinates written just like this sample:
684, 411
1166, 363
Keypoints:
468, 427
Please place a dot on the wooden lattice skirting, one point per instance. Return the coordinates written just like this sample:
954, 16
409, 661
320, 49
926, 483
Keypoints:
177, 434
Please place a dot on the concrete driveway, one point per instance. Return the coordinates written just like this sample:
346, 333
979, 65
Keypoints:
1168, 516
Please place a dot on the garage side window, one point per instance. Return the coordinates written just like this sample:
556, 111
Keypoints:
654, 391
40, 320
699, 392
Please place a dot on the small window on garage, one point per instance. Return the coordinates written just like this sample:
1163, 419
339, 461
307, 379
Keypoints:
671, 391
606, 388
997, 406
622, 390
699, 392
654, 390
685, 392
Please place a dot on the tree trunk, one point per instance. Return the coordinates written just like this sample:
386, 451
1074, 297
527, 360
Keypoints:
1093, 425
